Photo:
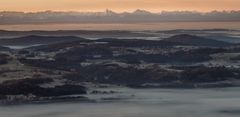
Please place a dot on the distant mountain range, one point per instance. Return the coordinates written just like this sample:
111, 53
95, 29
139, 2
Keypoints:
196, 40
7, 17
182, 39
34, 39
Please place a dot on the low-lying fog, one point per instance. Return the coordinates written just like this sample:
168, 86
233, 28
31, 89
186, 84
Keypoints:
220, 102
124, 26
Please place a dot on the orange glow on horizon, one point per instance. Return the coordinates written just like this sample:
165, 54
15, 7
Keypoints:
118, 5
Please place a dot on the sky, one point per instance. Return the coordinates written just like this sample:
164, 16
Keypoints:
118, 5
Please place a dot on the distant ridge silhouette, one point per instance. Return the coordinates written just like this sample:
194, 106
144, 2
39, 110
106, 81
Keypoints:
109, 16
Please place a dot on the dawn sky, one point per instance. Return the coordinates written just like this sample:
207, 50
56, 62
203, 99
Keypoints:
118, 5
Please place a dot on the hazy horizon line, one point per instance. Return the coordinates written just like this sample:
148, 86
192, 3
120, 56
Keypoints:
132, 11
109, 16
